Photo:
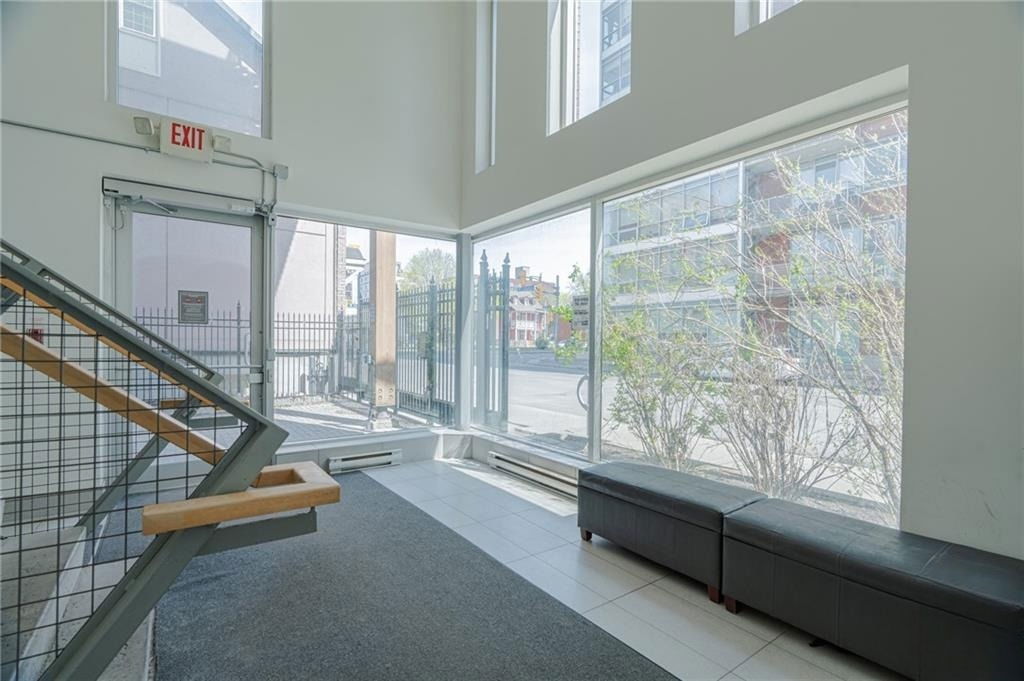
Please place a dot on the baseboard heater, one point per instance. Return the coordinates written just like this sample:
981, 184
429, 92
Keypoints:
354, 462
556, 482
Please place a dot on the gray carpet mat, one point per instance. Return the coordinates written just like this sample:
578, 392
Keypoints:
382, 591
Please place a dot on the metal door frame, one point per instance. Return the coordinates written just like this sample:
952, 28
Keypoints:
123, 199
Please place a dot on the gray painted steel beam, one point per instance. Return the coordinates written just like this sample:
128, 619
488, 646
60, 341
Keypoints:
260, 532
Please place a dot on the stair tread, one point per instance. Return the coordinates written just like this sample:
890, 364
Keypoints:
45, 360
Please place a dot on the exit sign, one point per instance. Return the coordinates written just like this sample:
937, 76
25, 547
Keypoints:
186, 140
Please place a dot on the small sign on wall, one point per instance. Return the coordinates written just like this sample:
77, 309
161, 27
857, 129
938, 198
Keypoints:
363, 284
193, 307
186, 140
580, 313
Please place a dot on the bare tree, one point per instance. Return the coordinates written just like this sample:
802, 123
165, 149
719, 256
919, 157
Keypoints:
787, 437
793, 350
824, 261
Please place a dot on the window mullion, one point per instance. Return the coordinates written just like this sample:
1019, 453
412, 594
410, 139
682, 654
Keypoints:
594, 367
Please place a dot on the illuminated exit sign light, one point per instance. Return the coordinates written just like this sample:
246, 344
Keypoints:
186, 140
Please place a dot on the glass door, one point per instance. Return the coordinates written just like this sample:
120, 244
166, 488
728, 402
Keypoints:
195, 278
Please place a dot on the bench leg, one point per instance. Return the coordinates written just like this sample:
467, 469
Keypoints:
731, 605
714, 594
585, 535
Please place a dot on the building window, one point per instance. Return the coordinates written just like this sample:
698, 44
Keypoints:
766, 297
163, 44
139, 16
531, 350
616, 23
588, 57
750, 13
615, 74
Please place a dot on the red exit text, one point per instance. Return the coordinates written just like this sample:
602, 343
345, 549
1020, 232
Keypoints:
188, 136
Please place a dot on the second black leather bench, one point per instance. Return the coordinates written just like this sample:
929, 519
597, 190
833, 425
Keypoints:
669, 517
926, 608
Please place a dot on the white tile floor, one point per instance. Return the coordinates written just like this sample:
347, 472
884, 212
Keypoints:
663, 616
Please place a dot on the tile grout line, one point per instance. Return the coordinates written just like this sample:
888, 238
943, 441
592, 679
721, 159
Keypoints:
662, 631
716, 614
571, 579
747, 659
593, 551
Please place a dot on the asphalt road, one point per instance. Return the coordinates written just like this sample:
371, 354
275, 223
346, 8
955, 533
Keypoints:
543, 402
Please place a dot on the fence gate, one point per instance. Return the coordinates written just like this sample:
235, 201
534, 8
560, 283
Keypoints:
425, 348
492, 344
426, 351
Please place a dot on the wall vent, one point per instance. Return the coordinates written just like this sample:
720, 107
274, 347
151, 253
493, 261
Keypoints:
354, 462
552, 480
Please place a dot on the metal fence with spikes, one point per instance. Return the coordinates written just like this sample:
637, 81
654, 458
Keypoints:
321, 356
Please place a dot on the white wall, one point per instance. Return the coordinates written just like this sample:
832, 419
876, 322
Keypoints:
365, 113
697, 90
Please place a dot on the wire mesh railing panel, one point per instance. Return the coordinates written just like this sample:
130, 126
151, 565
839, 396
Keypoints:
90, 433
222, 343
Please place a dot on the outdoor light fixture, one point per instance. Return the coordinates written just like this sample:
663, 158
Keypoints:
144, 125
221, 143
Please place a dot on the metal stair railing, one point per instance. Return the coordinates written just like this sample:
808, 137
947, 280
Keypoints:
11, 255
109, 490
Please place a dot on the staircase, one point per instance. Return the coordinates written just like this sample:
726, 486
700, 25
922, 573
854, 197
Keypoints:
120, 460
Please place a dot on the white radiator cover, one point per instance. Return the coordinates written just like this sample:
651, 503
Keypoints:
557, 482
354, 462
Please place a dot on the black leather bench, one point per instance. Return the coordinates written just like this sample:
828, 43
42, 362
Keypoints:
922, 607
669, 517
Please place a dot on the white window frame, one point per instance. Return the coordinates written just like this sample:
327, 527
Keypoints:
156, 20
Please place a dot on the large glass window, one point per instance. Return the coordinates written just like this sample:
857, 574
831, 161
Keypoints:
589, 57
753, 320
201, 61
531, 341
364, 330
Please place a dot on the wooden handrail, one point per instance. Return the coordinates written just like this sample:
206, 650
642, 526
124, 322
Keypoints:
68, 373
279, 488
87, 330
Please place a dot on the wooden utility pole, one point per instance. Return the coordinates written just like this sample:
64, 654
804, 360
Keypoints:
383, 303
